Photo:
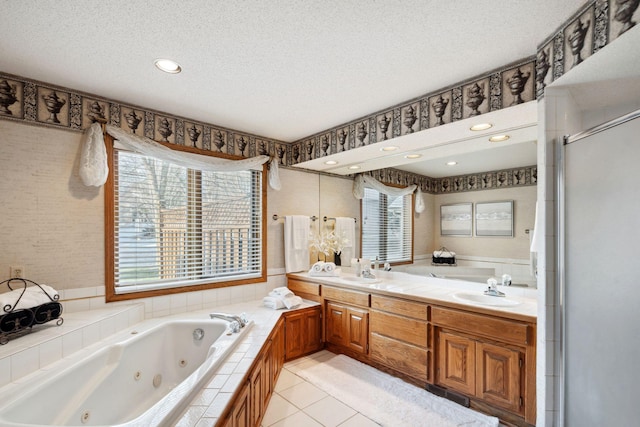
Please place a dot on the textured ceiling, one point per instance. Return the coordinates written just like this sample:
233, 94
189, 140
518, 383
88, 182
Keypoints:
280, 69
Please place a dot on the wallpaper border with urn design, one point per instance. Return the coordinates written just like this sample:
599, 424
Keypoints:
506, 86
43, 104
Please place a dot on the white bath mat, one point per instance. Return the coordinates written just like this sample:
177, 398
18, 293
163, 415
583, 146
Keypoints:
387, 400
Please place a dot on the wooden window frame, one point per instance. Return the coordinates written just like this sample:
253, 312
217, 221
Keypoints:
109, 203
413, 200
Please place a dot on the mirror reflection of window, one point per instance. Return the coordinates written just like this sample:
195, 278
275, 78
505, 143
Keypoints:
387, 226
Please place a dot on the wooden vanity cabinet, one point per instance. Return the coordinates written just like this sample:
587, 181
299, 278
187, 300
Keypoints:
347, 327
251, 401
399, 337
347, 320
487, 358
456, 362
303, 332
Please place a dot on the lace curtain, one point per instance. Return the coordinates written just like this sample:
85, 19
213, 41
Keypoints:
393, 192
93, 158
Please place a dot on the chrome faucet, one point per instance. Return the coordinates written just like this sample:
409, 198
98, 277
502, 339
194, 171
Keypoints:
492, 290
367, 274
241, 320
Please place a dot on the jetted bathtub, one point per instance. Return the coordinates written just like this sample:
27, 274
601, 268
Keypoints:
146, 379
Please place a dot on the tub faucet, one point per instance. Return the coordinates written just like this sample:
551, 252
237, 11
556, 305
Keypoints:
492, 290
241, 319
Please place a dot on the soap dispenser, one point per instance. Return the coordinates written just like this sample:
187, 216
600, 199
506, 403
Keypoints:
358, 268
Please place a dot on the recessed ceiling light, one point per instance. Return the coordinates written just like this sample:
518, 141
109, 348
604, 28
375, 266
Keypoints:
389, 148
499, 138
481, 126
330, 162
168, 66
452, 163
413, 156
354, 167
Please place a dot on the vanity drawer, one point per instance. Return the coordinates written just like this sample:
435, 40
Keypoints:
508, 331
298, 286
399, 356
345, 295
398, 327
401, 307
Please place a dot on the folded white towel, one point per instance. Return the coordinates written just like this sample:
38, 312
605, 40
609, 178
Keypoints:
323, 269
318, 267
292, 301
273, 302
444, 254
33, 296
282, 291
280, 298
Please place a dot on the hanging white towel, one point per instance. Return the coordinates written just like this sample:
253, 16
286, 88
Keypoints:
535, 237
346, 228
296, 243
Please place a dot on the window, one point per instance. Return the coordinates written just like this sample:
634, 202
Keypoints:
387, 227
176, 227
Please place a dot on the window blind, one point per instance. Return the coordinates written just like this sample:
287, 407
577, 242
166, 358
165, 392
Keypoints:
176, 226
386, 227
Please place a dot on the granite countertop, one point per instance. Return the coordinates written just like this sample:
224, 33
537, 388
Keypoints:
434, 290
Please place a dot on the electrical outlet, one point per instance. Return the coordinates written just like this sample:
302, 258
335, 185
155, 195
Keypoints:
17, 271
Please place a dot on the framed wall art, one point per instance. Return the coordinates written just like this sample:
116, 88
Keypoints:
494, 219
456, 220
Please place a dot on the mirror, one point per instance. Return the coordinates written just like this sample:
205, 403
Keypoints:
474, 153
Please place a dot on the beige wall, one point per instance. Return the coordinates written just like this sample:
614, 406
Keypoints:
516, 247
50, 223
424, 232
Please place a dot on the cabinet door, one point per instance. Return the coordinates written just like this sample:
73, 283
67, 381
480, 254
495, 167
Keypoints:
313, 329
257, 390
498, 376
456, 362
294, 332
241, 413
337, 324
358, 328
278, 350
267, 374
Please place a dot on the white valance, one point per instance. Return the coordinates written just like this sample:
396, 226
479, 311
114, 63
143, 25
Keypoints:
392, 192
94, 169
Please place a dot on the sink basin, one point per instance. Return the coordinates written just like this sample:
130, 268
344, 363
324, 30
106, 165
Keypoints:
479, 298
359, 280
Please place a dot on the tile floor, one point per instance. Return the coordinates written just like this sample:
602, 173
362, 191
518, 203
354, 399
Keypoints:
298, 403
